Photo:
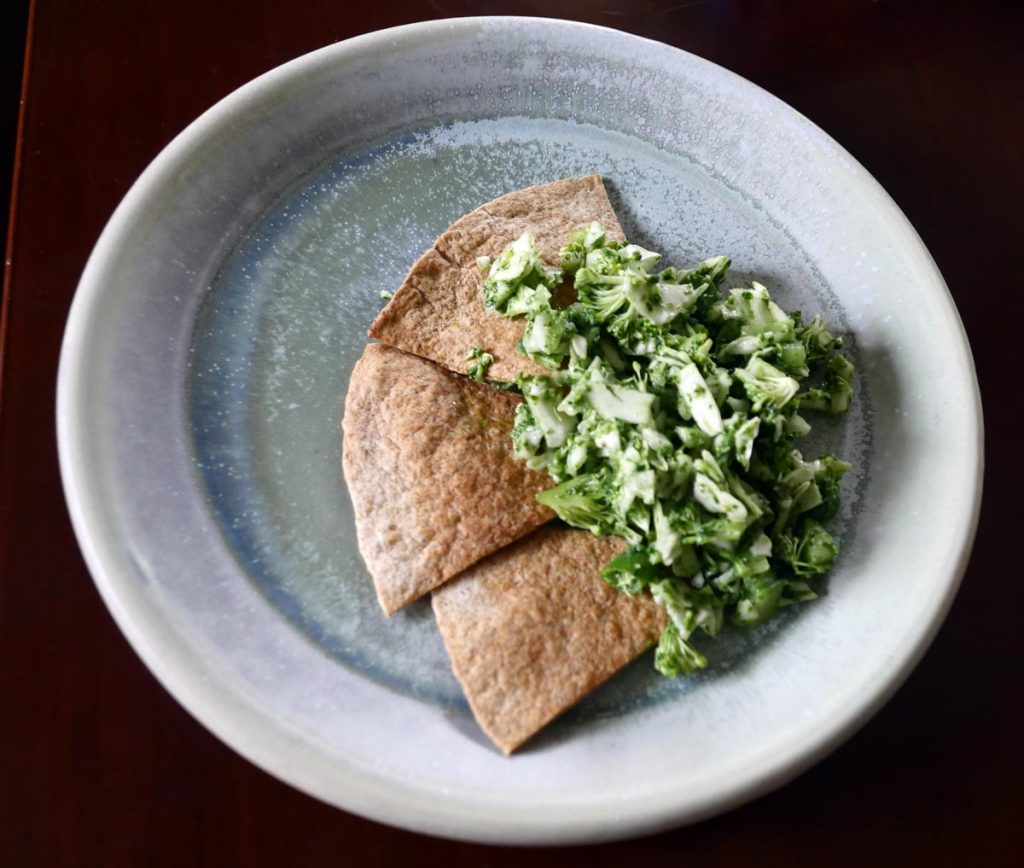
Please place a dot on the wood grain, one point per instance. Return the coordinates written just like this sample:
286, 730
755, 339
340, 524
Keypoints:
99, 767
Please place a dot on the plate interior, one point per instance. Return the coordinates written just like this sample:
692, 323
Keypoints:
286, 319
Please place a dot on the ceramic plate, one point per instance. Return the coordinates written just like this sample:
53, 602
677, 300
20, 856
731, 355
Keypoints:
204, 373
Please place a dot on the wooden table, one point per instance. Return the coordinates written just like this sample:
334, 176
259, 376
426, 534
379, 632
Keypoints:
100, 767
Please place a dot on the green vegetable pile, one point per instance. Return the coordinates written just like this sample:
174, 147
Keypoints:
669, 418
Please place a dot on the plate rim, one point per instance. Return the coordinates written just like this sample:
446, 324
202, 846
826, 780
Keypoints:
263, 740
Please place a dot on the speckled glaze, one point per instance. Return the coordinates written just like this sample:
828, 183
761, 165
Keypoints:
237, 280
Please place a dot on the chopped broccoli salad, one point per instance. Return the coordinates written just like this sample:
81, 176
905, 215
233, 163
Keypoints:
670, 418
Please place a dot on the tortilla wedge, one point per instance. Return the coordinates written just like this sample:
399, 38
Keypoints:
430, 469
438, 312
533, 628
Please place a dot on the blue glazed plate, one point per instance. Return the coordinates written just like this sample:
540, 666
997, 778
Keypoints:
204, 373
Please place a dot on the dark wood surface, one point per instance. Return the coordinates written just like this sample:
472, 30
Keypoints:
100, 767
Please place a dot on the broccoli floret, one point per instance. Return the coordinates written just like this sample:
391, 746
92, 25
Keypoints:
688, 609
710, 490
481, 361
632, 571
581, 242
768, 388
598, 388
696, 526
839, 384
711, 271
618, 283
794, 498
542, 396
549, 332
759, 599
514, 277
755, 313
835, 392
695, 397
818, 343
809, 552
584, 502
736, 440
828, 477
602, 296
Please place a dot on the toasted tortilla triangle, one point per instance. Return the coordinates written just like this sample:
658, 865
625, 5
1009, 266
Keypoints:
429, 465
533, 628
438, 311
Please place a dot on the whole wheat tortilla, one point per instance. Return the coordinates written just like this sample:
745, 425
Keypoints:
438, 311
429, 465
533, 628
